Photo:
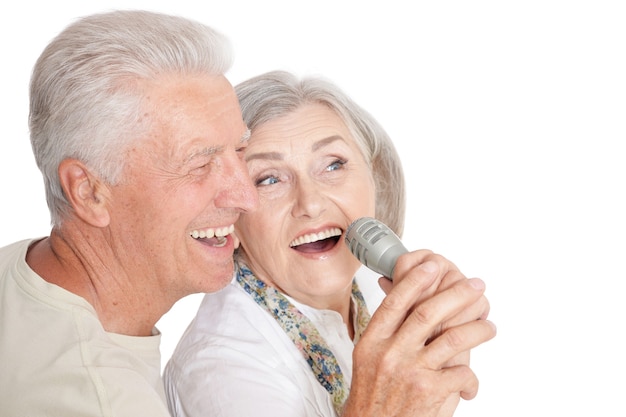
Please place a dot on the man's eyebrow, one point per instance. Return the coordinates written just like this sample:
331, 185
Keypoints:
245, 137
211, 150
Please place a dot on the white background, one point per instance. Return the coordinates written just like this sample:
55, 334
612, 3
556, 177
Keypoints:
511, 120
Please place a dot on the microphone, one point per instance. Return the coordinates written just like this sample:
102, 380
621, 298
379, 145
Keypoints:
375, 245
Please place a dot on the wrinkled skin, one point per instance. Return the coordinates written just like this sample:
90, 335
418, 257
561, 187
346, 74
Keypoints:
311, 177
413, 359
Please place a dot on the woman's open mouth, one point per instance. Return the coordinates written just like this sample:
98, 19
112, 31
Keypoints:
317, 242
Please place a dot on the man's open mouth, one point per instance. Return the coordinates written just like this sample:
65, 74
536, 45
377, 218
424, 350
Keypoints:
213, 236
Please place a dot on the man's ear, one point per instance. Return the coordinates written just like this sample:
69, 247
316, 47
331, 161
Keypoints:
87, 194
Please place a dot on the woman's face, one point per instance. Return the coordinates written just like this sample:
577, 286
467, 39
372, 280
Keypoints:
312, 181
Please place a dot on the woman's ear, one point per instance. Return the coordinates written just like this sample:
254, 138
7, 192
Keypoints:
87, 194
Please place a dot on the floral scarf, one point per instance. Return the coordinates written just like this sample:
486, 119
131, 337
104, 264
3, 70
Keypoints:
303, 332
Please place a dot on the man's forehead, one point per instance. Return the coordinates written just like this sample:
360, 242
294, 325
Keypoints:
203, 147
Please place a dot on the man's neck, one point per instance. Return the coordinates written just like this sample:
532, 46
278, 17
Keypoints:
126, 301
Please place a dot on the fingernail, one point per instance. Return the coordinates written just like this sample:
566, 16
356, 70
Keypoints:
477, 283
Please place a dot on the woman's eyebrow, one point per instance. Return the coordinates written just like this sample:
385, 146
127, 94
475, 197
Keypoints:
323, 142
275, 156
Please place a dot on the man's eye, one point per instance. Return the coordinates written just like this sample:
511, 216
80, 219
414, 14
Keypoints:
201, 169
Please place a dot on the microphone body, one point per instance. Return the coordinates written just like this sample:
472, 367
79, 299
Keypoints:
375, 245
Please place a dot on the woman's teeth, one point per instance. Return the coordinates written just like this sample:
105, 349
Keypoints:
314, 237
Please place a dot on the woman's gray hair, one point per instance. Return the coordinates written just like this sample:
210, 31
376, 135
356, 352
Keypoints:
278, 93
84, 100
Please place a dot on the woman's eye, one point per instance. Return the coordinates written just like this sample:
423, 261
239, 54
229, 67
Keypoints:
266, 181
338, 164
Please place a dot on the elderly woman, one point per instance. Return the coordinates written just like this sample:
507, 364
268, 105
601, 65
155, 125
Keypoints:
279, 340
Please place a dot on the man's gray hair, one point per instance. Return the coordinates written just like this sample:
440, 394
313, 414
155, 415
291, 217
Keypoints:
84, 100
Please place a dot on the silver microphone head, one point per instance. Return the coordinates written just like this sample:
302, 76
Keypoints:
375, 245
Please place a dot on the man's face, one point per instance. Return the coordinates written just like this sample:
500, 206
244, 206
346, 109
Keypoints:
183, 182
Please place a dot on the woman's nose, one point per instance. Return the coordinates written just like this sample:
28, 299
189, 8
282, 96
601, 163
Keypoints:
309, 200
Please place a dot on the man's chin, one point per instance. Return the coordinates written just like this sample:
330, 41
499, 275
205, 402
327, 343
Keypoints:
217, 277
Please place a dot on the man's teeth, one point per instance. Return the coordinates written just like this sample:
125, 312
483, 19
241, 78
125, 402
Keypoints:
219, 233
314, 237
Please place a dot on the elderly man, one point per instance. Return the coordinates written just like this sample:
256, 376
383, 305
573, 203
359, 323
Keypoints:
139, 138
